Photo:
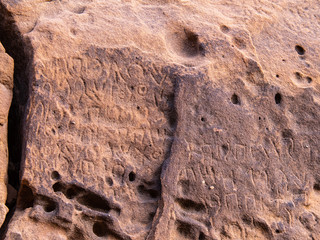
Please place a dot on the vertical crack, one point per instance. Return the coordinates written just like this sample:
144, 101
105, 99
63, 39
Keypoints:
20, 50
173, 119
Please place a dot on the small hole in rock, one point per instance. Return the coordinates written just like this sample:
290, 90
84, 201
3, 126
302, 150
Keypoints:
277, 76
278, 98
224, 29
225, 149
71, 193
298, 75
235, 99
316, 186
190, 205
109, 181
93, 201
57, 187
309, 79
100, 229
277, 231
132, 176
300, 50
49, 207
55, 175
203, 119
138, 107
191, 45
287, 133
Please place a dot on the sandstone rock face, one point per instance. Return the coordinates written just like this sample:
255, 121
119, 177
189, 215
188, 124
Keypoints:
170, 120
6, 85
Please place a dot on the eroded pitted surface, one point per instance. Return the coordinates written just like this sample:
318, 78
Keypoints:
260, 182
220, 100
105, 130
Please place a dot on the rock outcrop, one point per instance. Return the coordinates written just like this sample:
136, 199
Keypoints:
6, 85
169, 120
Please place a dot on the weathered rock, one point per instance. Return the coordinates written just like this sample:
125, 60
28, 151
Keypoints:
170, 120
6, 85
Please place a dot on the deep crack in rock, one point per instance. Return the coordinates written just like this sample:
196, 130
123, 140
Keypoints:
19, 48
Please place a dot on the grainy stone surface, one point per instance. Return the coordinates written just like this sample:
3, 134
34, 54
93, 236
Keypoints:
6, 85
170, 120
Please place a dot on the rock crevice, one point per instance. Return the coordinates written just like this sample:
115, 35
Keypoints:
20, 51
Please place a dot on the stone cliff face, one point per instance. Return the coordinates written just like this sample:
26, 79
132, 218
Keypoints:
6, 85
162, 119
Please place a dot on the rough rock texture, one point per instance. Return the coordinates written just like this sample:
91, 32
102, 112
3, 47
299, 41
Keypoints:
6, 85
170, 120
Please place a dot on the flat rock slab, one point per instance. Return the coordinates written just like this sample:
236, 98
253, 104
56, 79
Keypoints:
170, 120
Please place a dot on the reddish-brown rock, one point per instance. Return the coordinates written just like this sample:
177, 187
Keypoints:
170, 120
6, 84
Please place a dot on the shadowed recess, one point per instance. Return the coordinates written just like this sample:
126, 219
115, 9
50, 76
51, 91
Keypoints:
188, 204
21, 51
300, 50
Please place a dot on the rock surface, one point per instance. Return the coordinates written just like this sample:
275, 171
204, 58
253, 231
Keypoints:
170, 120
6, 85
